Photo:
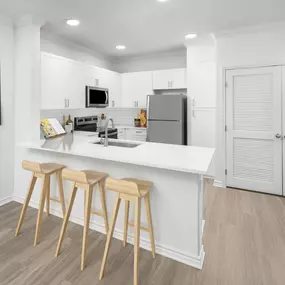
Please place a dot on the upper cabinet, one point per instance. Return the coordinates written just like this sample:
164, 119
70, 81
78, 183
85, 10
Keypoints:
169, 79
112, 81
135, 88
64, 81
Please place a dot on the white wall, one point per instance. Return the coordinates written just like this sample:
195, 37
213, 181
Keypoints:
7, 110
263, 45
157, 61
64, 48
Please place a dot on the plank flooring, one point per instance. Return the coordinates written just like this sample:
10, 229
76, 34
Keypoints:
244, 242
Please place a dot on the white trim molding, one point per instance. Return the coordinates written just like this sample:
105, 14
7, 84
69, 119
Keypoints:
172, 253
5, 201
218, 184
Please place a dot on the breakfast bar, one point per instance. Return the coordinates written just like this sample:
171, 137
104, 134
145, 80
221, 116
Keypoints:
177, 173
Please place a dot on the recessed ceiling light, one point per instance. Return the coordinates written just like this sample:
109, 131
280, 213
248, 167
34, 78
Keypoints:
120, 47
190, 36
73, 22
162, 0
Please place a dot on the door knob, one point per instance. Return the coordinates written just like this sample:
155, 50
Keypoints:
278, 136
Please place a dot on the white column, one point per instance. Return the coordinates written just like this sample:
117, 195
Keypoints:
27, 80
7, 109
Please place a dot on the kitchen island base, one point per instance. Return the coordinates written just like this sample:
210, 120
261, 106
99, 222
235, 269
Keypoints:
176, 202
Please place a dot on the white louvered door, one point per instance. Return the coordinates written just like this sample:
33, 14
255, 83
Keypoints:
254, 120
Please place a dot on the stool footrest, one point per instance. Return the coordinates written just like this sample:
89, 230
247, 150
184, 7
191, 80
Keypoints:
94, 212
131, 224
55, 200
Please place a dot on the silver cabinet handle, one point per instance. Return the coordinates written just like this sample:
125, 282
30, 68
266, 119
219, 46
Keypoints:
113, 103
278, 136
193, 102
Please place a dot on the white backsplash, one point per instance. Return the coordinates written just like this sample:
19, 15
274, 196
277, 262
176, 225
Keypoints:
121, 116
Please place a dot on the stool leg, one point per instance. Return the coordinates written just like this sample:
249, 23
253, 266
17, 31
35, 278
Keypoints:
137, 239
60, 190
41, 208
109, 236
149, 218
127, 210
87, 215
66, 218
26, 203
103, 202
48, 195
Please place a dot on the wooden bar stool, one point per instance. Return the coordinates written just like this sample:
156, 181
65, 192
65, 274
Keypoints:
86, 180
43, 171
130, 190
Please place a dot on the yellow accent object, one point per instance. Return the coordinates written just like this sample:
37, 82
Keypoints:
142, 117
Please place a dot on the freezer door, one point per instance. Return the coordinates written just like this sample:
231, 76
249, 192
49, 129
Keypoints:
170, 132
165, 107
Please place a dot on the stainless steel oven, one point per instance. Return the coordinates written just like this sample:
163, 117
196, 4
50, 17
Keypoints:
97, 97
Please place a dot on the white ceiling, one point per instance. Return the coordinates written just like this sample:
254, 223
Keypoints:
143, 26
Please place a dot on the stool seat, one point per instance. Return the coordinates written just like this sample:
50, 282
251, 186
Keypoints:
93, 176
143, 186
50, 168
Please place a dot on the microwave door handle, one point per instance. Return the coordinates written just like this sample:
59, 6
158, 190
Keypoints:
106, 102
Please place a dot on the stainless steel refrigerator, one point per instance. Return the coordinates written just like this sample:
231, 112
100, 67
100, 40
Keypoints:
167, 119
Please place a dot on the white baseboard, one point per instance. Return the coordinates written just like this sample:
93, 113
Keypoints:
194, 261
218, 183
6, 200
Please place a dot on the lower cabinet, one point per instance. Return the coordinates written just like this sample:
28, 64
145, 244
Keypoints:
132, 134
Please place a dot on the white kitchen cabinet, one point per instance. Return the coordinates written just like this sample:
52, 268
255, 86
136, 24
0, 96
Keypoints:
203, 85
64, 82
136, 134
113, 83
135, 88
169, 79
121, 134
53, 71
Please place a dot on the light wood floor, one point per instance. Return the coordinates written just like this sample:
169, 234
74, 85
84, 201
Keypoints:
244, 243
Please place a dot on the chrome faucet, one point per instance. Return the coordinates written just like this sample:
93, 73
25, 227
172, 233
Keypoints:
106, 131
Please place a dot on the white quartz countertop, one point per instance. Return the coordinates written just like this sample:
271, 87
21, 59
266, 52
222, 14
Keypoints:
165, 156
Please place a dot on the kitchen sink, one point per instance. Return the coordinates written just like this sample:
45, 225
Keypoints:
120, 144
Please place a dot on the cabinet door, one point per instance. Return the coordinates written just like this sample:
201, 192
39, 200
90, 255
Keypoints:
53, 80
114, 86
178, 80
203, 85
136, 134
135, 88
75, 87
121, 134
169, 79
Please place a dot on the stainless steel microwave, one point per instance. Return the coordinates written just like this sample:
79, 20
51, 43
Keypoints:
97, 97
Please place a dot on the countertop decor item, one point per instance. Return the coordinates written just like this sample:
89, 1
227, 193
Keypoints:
137, 122
69, 125
51, 128
142, 119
